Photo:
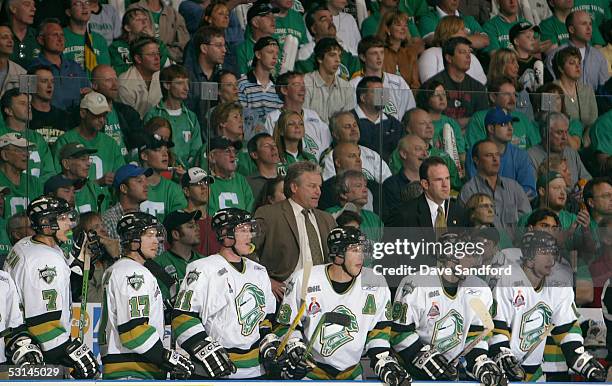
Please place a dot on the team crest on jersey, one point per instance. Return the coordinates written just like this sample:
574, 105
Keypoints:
533, 324
408, 288
519, 300
47, 274
289, 287
434, 311
334, 336
448, 331
192, 277
250, 303
135, 281
314, 306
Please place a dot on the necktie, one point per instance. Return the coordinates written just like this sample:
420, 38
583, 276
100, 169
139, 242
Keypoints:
440, 224
313, 240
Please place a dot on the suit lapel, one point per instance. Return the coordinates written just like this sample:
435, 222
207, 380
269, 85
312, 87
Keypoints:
290, 218
424, 214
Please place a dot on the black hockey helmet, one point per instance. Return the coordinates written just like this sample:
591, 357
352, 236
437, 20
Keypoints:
44, 211
448, 242
538, 242
228, 219
132, 225
341, 238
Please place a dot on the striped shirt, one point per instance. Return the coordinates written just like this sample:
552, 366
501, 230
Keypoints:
257, 100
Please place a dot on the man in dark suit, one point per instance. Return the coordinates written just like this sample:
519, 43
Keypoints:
434, 208
295, 231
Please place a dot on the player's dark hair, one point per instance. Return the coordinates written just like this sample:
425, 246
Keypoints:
348, 216
428, 163
540, 214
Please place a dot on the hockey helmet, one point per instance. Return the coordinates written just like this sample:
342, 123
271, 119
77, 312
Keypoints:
449, 242
538, 242
230, 218
132, 225
341, 238
44, 211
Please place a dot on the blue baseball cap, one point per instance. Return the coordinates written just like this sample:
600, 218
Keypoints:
129, 171
498, 116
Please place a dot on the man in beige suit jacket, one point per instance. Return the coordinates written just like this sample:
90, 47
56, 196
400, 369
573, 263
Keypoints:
286, 226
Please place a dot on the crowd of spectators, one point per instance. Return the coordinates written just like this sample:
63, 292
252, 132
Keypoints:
415, 114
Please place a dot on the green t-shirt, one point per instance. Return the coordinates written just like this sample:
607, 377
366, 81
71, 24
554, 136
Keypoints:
174, 266
120, 59
5, 242
163, 198
438, 133
86, 199
17, 200
233, 192
371, 224
554, 30
369, 26
155, 16
349, 65
75, 47
186, 133
498, 31
599, 11
429, 22
113, 130
107, 159
303, 156
601, 134
41, 162
292, 24
245, 54
525, 134
26, 50
395, 164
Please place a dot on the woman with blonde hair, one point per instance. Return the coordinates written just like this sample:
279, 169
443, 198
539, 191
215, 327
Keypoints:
401, 50
289, 136
504, 63
431, 61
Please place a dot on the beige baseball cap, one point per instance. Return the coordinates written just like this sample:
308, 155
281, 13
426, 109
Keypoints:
96, 103
15, 139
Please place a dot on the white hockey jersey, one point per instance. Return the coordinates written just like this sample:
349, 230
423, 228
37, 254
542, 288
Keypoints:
42, 278
10, 313
522, 314
339, 348
317, 136
132, 321
430, 315
229, 306
400, 98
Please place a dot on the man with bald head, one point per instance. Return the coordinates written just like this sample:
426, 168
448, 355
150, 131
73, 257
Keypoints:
347, 156
344, 128
123, 123
411, 150
594, 65
419, 122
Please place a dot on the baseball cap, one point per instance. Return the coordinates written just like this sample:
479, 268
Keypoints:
15, 139
95, 102
548, 177
155, 141
264, 42
74, 149
179, 217
59, 181
195, 175
518, 28
224, 143
498, 116
260, 8
129, 171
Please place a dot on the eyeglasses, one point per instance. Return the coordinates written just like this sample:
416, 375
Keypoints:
218, 45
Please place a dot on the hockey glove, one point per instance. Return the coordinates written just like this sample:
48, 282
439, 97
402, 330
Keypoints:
510, 365
22, 351
487, 372
587, 366
82, 360
179, 366
214, 358
268, 349
434, 364
295, 366
388, 369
